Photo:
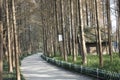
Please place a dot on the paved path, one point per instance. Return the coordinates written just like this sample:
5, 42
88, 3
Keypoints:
35, 68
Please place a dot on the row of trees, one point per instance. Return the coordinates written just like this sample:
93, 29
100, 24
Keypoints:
18, 34
69, 19
61, 24
9, 40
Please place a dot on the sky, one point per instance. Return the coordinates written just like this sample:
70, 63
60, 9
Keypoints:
113, 18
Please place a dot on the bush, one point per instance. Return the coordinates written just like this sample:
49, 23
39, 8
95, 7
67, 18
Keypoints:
94, 72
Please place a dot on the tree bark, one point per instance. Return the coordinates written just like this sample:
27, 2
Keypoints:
1, 42
16, 42
109, 28
73, 27
9, 39
118, 6
99, 37
63, 30
81, 35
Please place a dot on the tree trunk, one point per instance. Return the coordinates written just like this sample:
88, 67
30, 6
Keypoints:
118, 6
109, 28
1, 42
81, 30
63, 30
16, 42
9, 38
99, 37
57, 31
73, 31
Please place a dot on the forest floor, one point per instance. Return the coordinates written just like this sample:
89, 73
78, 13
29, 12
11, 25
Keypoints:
35, 68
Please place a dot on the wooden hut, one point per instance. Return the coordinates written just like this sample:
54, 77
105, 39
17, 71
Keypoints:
91, 43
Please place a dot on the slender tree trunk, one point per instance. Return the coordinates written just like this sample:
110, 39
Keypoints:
73, 31
104, 25
30, 49
109, 28
9, 39
63, 30
57, 31
16, 42
118, 6
13, 48
1, 49
1, 42
43, 28
99, 37
12, 37
82, 38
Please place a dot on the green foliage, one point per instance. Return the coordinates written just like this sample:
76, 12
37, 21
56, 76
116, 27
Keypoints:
94, 72
59, 58
93, 61
114, 66
12, 76
5, 65
25, 55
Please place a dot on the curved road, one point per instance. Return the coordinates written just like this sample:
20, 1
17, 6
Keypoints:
35, 68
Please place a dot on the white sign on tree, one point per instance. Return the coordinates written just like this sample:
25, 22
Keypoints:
60, 37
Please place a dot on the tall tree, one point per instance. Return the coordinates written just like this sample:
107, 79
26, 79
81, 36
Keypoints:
99, 36
81, 31
63, 29
56, 27
16, 42
73, 27
9, 39
59, 24
1, 42
118, 6
109, 27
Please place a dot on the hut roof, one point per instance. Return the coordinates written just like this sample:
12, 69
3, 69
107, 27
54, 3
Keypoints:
90, 34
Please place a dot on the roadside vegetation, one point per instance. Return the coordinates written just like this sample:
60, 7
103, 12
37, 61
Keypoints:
93, 62
7, 75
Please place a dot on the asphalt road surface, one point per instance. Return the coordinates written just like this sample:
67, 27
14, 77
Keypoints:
35, 68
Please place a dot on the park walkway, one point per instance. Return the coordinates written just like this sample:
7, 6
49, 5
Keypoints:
35, 68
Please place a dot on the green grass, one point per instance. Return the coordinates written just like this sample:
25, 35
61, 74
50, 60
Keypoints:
12, 76
93, 62
7, 75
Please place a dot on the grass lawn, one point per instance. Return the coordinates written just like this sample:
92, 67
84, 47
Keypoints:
93, 61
